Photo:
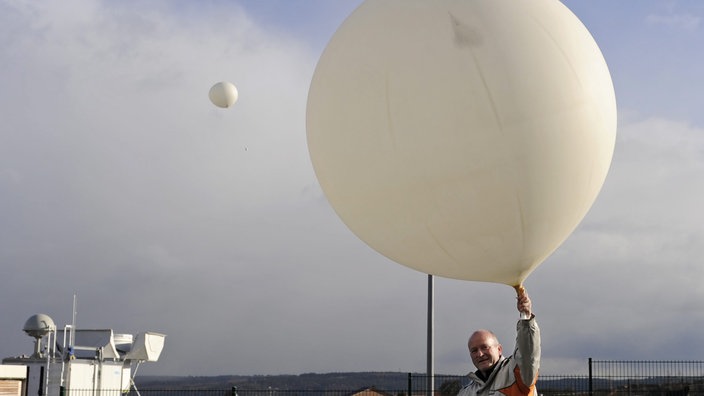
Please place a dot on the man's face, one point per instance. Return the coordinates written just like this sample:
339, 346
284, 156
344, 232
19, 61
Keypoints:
484, 349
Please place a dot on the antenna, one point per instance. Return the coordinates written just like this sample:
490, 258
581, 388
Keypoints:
72, 338
38, 326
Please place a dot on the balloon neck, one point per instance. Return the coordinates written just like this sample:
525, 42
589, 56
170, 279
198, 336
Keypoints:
520, 290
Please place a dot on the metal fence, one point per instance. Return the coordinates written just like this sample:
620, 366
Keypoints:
233, 392
649, 378
547, 385
605, 378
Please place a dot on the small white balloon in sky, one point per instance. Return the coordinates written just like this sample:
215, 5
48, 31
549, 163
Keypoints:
223, 94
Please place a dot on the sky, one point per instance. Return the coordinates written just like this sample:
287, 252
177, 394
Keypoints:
121, 184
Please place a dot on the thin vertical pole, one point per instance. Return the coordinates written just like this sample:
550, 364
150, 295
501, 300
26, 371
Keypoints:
72, 334
590, 378
431, 325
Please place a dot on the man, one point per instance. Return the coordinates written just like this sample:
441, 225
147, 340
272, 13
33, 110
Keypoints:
512, 376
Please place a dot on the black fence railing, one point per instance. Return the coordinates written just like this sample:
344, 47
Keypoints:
563, 385
605, 378
234, 392
548, 385
649, 378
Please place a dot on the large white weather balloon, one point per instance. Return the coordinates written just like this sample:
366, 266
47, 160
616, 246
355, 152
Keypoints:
464, 139
223, 94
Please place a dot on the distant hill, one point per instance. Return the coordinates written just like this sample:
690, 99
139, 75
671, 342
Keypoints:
311, 381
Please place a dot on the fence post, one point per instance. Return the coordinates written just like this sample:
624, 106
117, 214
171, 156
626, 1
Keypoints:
590, 377
234, 391
410, 384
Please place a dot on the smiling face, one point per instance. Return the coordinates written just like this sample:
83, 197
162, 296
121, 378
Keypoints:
484, 349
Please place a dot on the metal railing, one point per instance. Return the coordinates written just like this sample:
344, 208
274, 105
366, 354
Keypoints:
605, 378
642, 377
233, 392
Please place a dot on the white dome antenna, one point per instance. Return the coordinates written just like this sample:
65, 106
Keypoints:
37, 326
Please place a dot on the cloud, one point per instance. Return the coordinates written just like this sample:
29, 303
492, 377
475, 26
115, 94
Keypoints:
631, 267
686, 22
122, 183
